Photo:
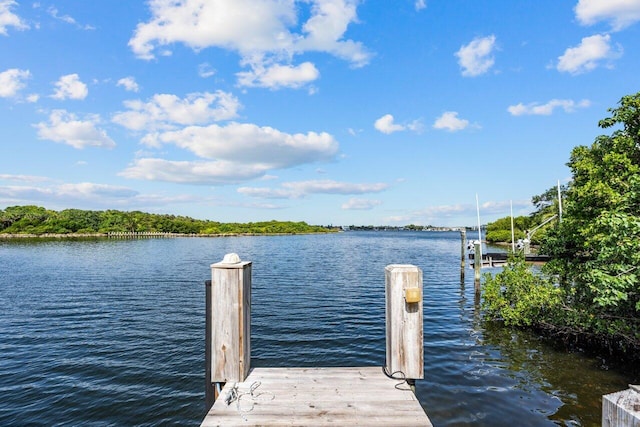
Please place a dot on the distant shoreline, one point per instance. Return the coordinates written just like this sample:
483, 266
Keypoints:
139, 235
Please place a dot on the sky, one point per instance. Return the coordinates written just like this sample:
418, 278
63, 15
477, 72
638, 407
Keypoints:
342, 112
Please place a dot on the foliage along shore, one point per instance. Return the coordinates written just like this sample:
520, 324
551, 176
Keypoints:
36, 221
588, 295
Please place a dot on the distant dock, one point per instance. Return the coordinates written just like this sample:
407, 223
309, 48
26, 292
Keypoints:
238, 395
498, 259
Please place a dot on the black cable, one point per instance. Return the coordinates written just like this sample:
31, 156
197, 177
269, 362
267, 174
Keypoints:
402, 377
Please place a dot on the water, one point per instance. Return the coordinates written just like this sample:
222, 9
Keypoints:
111, 332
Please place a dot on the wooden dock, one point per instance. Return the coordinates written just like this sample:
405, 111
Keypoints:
239, 395
494, 259
318, 397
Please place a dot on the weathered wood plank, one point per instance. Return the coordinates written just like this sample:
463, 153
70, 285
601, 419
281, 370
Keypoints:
404, 318
230, 321
317, 397
621, 409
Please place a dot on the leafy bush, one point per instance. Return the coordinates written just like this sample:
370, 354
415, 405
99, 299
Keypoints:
519, 296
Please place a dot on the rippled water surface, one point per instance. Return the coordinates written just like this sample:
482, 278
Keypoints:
111, 332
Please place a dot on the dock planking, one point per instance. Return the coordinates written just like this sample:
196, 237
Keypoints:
355, 396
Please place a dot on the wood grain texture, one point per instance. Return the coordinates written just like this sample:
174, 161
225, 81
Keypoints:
621, 409
404, 322
230, 321
318, 397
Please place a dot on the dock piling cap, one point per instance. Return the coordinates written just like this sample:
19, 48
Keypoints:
231, 258
231, 261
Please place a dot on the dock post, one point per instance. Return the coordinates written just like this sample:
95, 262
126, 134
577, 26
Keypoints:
230, 319
620, 409
463, 240
477, 265
404, 323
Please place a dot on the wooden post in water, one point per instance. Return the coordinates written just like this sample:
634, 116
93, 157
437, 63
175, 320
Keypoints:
477, 265
403, 292
230, 319
463, 241
621, 409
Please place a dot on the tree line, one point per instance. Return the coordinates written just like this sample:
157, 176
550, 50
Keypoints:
589, 293
39, 220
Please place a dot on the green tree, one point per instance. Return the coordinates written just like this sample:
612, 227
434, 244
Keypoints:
500, 229
596, 249
590, 291
23, 219
520, 297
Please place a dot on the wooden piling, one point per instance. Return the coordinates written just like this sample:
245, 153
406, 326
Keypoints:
622, 409
463, 241
230, 319
404, 309
477, 265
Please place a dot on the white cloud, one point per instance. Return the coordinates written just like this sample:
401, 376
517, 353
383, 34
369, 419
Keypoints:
234, 153
88, 190
242, 25
277, 76
129, 84
70, 87
165, 111
476, 57
568, 105
86, 195
420, 4
295, 190
8, 18
74, 193
460, 213
430, 214
588, 54
250, 144
449, 121
324, 30
67, 19
66, 128
205, 70
619, 13
386, 124
193, 172
23, 178
12, 81
261, 31
360, 204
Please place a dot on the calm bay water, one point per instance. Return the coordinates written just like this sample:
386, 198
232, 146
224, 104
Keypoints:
111, 332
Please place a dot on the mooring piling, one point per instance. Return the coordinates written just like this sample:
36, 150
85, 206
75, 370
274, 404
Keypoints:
463, 262
404, 309
229, 320
477, 265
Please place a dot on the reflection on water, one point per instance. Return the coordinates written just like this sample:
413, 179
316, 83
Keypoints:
112, 332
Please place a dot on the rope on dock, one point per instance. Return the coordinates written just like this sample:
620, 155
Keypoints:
236, 395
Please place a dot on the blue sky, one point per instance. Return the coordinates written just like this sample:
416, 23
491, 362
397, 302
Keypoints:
326, 111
